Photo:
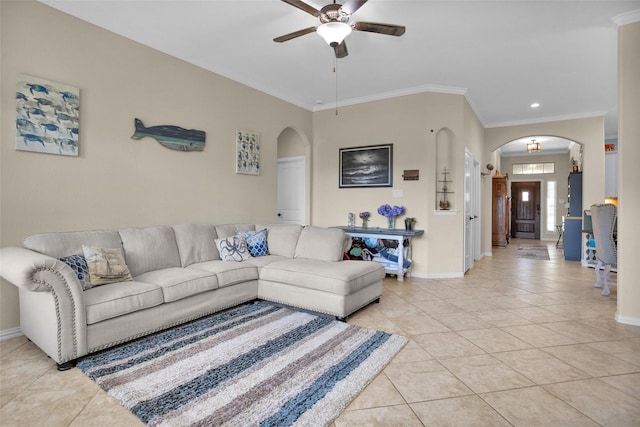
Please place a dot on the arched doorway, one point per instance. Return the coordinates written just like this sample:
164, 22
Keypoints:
538, 167
293, 178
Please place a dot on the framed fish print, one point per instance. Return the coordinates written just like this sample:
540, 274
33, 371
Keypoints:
370, 166
47, 116
247, 152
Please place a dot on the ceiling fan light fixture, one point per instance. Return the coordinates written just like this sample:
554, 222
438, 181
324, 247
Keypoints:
334, 32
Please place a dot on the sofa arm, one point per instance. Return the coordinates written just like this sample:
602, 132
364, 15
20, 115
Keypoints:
28, 269
52, 307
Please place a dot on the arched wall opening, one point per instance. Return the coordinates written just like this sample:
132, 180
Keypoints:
293, 145
445, 170
542, 173
589, 132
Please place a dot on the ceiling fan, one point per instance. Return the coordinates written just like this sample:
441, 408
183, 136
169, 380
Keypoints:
335, 27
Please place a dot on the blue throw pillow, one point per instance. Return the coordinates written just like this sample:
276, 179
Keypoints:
256, 241
78, 264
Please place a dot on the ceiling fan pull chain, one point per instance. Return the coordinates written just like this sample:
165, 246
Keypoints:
335, 70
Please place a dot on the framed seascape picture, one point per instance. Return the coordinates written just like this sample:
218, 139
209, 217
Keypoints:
370, 166
47, 116
247, 152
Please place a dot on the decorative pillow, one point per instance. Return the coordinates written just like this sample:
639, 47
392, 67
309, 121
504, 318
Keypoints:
256, 241
233, 248
79, 265
106, 265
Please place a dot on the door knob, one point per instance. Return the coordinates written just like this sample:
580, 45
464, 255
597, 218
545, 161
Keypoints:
279, 214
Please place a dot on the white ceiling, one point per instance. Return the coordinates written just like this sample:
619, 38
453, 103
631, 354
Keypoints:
502, 55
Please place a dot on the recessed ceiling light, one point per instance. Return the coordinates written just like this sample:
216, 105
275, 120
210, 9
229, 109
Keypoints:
535, 105
319, 102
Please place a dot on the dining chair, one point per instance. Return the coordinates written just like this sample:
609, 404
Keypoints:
603, 218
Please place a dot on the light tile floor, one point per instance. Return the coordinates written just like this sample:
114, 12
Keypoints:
515, 342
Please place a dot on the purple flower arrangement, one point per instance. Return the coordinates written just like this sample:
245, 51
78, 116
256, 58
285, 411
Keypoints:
365, 215
390, 212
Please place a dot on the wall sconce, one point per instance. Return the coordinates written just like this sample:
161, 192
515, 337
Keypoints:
489, 169
533, 146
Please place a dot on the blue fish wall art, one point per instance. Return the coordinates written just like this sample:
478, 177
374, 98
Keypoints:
173, 137
47, 116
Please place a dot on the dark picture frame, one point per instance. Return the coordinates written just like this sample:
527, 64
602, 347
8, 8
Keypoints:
370, 166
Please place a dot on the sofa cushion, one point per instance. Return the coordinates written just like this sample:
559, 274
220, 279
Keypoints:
229, 273
59, 245
116, 299
256, 242
282, 238
149, 249
324, 244
228, 230
178, 283
265, 260
343, 277
106, 265
196, 243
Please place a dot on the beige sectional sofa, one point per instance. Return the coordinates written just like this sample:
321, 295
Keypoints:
177, 276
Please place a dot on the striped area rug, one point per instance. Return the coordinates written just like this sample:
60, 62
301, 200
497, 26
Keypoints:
256, 364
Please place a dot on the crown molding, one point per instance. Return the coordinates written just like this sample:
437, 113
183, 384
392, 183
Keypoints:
395, 94
588, 115
626, 18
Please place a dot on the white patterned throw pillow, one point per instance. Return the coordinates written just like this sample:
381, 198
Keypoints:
106, 265
256, 241
233, 248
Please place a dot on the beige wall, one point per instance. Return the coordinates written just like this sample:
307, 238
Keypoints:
412, 124
562, 169
589, 132
290, 145
116, 181
628, 173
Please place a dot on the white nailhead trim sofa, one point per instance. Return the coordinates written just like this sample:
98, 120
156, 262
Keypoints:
178, 276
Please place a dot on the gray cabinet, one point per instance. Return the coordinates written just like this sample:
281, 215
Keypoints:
575, 194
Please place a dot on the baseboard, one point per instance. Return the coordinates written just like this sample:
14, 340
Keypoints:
488, 254
437, 275
8, 334
634, 321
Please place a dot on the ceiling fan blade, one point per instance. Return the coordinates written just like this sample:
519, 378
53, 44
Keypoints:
341, 50
303, 6
351, 6
374, 27
294, 35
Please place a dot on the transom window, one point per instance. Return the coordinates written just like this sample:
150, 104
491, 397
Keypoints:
533, 168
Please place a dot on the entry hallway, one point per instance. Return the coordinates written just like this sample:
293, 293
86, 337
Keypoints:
520, 342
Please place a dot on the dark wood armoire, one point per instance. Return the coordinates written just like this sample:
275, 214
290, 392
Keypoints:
501, 210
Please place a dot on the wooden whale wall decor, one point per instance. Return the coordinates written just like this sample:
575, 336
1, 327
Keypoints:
173, 137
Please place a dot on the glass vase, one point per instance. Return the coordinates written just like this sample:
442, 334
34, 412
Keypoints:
365, 222
391, 222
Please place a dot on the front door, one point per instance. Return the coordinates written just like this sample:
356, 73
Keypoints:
525, 210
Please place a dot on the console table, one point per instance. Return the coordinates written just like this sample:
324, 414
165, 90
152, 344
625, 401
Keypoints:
404, 251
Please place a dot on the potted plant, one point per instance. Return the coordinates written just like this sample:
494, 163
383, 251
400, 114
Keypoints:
408, 223
390, 213
365, 218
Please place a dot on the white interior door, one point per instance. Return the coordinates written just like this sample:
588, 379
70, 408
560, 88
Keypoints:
471, 221
291, 190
